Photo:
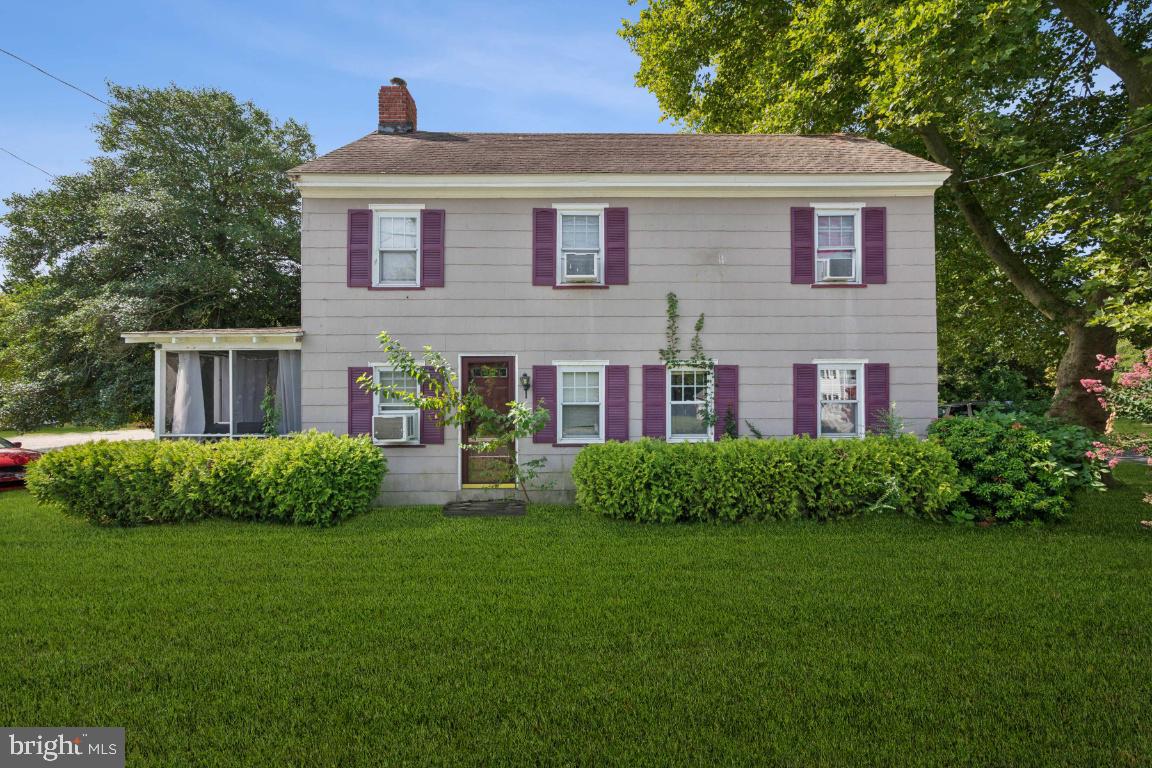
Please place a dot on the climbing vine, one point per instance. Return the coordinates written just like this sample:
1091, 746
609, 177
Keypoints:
670, 355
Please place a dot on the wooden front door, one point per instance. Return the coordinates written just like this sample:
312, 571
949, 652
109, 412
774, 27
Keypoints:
494, 379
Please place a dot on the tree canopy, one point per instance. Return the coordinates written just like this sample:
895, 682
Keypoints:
187, 221
1051, 165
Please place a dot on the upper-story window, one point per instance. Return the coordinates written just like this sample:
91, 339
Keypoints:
581, 411
395, 247
394, 420
841, 399
837, 244
581, 246
689, 399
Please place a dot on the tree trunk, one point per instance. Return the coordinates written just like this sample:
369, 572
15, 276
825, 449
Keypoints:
1000, 251
1072, 402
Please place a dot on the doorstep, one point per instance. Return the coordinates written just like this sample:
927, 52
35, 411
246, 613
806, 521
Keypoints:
485, 508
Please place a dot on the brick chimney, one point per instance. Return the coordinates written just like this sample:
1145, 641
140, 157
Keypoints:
397, 108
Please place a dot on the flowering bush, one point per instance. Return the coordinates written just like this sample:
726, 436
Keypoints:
1130, 395
1016, 467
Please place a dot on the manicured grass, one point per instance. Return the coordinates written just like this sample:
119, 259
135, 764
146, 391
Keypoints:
403, 638
1132, 427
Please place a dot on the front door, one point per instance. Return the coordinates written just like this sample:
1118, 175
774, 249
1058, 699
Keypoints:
493, 378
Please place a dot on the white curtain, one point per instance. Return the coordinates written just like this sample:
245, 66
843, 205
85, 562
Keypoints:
188, 403
288, 390
250, 374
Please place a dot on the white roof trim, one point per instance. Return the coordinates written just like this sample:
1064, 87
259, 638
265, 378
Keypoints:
841, 185
192, 341
579, 206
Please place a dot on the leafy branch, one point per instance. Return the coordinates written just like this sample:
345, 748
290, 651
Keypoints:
439, 392
670, 355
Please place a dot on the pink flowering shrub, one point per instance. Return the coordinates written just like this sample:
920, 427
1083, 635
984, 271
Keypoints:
1130, 395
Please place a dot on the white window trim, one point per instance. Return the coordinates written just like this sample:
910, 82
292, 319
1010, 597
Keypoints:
859, 366
710, 435
840, 209
377, 209
578, 209
578, 366
413, 439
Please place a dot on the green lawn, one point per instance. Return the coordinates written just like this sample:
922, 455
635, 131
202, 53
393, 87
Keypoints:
403, 638
1132, 427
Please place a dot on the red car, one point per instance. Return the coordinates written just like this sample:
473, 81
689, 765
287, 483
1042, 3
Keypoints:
13, 460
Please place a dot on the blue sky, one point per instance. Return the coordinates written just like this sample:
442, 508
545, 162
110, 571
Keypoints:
491, 66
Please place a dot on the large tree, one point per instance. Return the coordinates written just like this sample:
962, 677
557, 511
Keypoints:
1051, 169
187, 221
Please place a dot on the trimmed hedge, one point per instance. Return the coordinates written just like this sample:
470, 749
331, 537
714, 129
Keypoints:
745, 479
310, 479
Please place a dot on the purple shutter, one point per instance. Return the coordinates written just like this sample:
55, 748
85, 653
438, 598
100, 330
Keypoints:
803, 246
804, 399
432, 249
359, 248
359, 403
655, 386
431, 428
543, 246
616, 246
875, 237
876, 381
726, 396
616, 403
544, 392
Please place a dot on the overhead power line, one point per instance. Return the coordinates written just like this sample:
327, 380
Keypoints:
1053, 159
60, 80
28, 163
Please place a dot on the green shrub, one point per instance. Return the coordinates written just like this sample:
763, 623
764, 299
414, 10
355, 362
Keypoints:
1070, 444
745, 479
318, 478
1016, 467
309, 479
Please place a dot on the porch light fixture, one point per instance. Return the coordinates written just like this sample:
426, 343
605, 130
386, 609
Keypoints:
525, 383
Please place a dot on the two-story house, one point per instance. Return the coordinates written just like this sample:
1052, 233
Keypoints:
540, 264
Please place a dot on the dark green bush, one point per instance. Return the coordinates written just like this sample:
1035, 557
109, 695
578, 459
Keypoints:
1016, 467
1070, 444
310, 479
764, 479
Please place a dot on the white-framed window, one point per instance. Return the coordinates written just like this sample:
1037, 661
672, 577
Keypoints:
840, 398
580, 406
689, 400
838, 243
394, 420
580, 243
395, 246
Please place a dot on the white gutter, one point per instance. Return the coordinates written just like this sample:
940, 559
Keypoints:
643, 185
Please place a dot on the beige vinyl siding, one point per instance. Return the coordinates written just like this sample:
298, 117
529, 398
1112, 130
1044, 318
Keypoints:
728, 258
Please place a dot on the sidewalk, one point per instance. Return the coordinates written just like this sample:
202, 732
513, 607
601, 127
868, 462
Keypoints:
46, 442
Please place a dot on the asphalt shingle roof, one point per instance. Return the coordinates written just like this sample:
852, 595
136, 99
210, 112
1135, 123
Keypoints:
424, 152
